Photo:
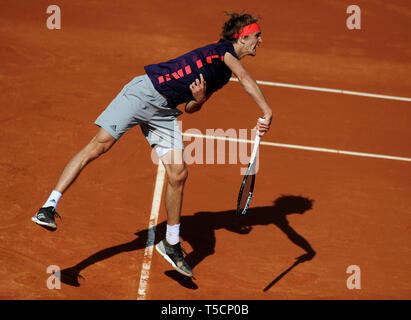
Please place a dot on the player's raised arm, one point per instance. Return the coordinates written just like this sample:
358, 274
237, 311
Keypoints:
252, 88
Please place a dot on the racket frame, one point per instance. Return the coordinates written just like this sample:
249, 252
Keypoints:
251, 166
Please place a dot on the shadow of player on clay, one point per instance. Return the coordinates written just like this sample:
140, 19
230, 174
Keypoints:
199, 231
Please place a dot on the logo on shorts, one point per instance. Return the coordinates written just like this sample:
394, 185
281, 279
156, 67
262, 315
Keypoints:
114, 127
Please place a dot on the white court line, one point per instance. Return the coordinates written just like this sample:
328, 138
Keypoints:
148, 253
293, 146
349, 92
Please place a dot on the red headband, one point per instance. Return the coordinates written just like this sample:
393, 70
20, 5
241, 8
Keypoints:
245, 31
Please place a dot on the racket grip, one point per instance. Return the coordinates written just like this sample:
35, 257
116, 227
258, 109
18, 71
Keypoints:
257, 140
255, 148
259, 120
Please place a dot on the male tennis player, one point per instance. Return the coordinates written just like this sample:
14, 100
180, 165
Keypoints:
151, 101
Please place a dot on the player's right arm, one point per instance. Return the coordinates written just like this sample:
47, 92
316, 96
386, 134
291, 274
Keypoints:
252, 88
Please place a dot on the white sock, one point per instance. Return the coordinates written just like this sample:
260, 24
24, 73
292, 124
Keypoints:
173, 234
53, 200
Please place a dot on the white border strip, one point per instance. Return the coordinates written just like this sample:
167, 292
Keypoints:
293, 146
349, 92
148, 253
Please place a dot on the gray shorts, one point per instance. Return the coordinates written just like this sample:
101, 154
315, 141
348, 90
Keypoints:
139, 103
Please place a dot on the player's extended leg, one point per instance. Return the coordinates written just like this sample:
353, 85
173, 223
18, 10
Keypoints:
170, 247
100, 144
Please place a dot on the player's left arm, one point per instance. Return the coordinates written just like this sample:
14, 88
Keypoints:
198, 89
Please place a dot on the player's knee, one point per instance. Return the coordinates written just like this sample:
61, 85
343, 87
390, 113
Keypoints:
178, 176
94, 150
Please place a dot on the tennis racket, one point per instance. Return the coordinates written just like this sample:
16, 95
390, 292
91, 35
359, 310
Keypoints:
247, 185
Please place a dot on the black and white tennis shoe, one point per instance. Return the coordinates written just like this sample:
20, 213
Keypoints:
46, 217
174, 255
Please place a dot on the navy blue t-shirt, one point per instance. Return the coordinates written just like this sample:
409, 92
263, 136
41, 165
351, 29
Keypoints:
173, 78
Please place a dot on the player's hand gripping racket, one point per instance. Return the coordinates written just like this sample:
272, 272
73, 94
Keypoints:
247, 185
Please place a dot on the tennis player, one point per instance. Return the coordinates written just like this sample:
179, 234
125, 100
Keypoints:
151, 101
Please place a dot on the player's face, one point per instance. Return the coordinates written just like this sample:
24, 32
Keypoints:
252, 43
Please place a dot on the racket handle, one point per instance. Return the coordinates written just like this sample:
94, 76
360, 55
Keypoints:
256, 144
259, 138
255, 148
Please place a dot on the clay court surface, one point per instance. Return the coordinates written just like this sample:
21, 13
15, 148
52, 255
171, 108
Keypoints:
55, 83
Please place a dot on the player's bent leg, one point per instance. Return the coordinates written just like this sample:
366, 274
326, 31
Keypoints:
177, 175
